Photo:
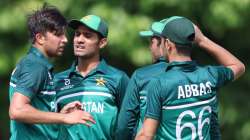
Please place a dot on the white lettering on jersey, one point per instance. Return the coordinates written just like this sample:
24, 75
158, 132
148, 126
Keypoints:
95, 107
187, 91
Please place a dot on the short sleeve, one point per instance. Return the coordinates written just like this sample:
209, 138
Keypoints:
154, 104
30, 79
123, 83
129, 112
221, 74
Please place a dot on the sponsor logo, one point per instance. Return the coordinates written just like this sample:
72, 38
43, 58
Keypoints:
67, 84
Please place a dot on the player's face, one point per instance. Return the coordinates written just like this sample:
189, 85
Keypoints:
54, 43
156, 47
87, 43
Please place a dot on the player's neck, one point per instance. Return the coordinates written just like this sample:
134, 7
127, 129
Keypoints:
84, 66
41, 49
179, 58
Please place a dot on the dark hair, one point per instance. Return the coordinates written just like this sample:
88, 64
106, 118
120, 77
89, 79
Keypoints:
48, 18
184, 50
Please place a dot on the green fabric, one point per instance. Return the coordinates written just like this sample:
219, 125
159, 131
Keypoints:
33, 77
156, 29
93, 22
133, 108
178, 29
101, 93
185, 97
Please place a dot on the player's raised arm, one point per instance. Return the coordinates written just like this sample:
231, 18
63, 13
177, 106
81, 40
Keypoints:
223, 56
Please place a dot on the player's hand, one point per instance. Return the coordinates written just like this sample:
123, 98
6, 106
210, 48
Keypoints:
79, 117
199, 36
76, 105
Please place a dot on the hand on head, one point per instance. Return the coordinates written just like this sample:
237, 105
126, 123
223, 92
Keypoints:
199, 36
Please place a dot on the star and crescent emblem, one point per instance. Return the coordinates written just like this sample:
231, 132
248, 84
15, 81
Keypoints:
100, 81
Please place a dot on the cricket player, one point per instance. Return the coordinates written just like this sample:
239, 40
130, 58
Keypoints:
181, 100
32, 93
132, 112
90, 80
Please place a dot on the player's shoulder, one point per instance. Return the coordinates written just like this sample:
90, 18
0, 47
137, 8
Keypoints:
28, 64
151, 70
62, 75
214, 70
111, 70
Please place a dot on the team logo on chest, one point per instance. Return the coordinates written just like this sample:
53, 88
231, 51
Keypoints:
67, 84
100, 81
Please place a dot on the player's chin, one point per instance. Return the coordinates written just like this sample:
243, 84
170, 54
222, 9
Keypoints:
79, 53
59, 53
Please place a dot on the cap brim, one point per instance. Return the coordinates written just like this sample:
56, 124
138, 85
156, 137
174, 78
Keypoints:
146, 33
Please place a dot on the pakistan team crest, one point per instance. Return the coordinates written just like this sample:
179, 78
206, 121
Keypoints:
100, 81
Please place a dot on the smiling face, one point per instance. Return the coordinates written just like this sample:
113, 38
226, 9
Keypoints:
87, 43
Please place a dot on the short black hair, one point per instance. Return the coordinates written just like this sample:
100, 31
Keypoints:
184, 50
48, 18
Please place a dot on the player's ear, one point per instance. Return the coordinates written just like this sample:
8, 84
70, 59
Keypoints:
40, 38
166, 43
103, 42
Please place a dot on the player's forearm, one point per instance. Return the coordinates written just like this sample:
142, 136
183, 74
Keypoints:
143, 136
223, 56
29, 114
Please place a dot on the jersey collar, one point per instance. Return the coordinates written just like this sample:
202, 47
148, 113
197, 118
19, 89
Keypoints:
161, 59
182, 65
41, 58
101, 67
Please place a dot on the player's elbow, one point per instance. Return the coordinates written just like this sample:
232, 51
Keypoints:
239, 70
14, 113
242, 68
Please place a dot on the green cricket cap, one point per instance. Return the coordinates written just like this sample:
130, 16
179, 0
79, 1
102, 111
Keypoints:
155, 29
179, 30
93, 22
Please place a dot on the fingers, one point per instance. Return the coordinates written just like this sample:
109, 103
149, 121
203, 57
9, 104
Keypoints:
74, 104
85, 123
79, 106
198, 35
87, 117
71, 107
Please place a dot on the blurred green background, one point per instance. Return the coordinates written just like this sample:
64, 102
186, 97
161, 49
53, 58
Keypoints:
224, 21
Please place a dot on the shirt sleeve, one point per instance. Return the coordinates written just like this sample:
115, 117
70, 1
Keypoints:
129, 113
56, 81
154, 104
122, 89
215, 127
30, 79
222, 75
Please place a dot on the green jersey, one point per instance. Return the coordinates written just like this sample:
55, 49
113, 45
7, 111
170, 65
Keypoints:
100, 92
133, 107
33, 77
183, 98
